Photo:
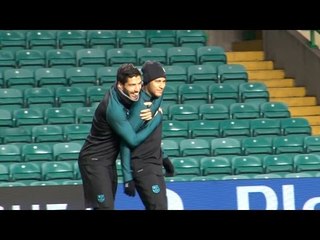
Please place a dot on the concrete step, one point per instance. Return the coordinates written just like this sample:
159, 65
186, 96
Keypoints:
274, 83
296, 101
266, 74
313, 120
315, 130
245, 56
287, 92
256, 65
304, 111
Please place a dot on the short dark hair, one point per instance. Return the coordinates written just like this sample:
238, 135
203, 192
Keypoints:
125, 71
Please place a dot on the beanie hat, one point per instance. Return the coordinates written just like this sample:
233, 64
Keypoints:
152, 70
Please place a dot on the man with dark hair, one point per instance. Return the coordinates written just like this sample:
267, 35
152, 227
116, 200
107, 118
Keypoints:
144, 171
97, 158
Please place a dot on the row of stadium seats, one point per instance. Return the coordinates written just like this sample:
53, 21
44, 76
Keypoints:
95, 57
74, 39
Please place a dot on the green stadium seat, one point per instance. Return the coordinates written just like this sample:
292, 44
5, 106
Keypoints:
37, 152
307, 162
256, 92
12, 184
191, 38
66, 151
181, 56
152, 54
11, 98
91, 57
274, 110
12, 40
163, 39
118, 56
194, 94
267, 176
183, 112
236, 128
213, 111
186, 166
25, 171
74, 132
71, 97
170, 147
216, 166
41, 39
265, 127
95, 94
175, 129
61, 58
72, 39
312, 144
205, 129
202, 74
10, 153
6, 119
57, 170
28, 116
60, 115
50, 77
296, 126
81, 76
244, 110
232, 74
194, 147
170, 95
103, 39
247, 165
132, 39
176, 75
211, 55
107, 76
13, 135
282, 163
44, 183
47, 133
4, 173
40, 98
7, 60
84, 114
30, 58
223, 93
19, 78
288, 144
257, 145
298, 175
225, 146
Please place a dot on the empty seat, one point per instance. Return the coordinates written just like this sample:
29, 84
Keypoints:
7, 60
72, 39
278, 163
72, 97
244, 110
170, 95
74, 132
232, 73
118, 56
215, 166
37, 152
41, 39
257, 145
176, 75
107, 76
182, 56
57, 170
11, 98
202, 74
194, 147
40, 98
60, 115
186, 166
312, 144
225, 146
253, 92
175, 129
274, 110
47, 133
12, 40
95, 94
6, 118
191, 38
170, 147
307, 162
296, 126
288, 144
19, 134
91, 57
84, 114
103, 39
183, 112
66, 151
237, 128
4, 173
81, 76
213, 111
30, 59
25, 171
223, 93
50, 77
163, 39
133, 39
19, 78
247, 165
194, 94
153, 54
265, 127
211, 55
61, 58
28, 116
10, 153
204, 129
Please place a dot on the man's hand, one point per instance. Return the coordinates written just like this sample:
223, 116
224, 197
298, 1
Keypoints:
168, 166
130, 188
146, 114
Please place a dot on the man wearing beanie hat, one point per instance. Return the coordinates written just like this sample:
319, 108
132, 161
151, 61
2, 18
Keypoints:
144, 170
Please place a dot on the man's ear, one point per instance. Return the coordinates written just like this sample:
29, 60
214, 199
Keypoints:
119, 85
